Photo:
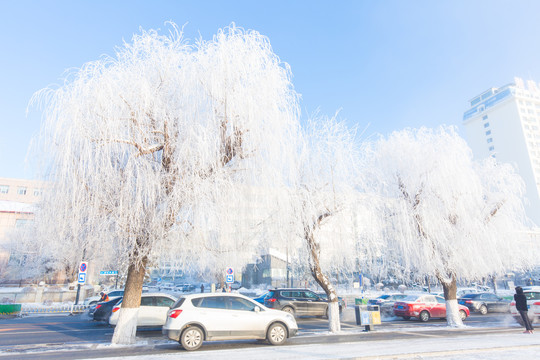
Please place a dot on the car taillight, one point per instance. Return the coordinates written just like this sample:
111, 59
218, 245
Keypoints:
116, 308
468, 301
513, 303
174, 313
537, 303
98, 306
271, 300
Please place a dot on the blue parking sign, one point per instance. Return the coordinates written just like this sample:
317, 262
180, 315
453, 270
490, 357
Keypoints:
230, 279
82, 278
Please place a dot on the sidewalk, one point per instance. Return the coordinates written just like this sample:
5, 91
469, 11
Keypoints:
469, 347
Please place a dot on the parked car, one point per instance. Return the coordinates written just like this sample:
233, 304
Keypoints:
341, 301
168, 286
152, 312
260, 298
484, 303
533, 304
225, 316
425, 307
93, 300
236, 285
386, 302
298, 302
103, 310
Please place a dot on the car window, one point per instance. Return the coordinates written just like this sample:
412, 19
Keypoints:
147, 301
178, 303
384, 296
115, 293
164, 301
241, 304
490, 296
309, 295
532, 295
440, 300
429, 299
211, 302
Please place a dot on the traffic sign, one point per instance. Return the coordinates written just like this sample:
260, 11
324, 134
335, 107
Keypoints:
83, 267
229, 279
110, 272
82, 278
230, 271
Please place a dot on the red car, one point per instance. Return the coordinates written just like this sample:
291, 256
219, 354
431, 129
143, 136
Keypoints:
425, 307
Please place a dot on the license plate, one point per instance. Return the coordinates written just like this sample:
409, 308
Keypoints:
401, 307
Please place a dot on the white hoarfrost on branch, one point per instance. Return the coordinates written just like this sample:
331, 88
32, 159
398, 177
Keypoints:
447, 216
155, 152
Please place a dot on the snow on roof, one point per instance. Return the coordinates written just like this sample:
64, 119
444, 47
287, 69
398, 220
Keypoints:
17, 207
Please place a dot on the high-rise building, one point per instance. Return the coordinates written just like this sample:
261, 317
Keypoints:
504, 123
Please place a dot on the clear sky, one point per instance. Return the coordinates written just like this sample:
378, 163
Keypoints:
387, 64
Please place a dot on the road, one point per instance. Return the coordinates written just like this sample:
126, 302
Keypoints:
21, 337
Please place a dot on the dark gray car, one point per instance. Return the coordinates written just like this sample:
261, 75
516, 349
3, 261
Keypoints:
298, 302
484, 303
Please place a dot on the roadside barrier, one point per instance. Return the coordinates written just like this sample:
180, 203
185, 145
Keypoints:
10, 309
28, 309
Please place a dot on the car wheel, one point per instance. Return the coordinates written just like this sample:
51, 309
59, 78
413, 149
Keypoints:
424, 316
406, 317
289, 310
483, 310
277, 334
463, 314
191, 338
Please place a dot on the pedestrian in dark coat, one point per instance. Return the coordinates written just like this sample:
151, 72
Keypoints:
202, 288
521, 306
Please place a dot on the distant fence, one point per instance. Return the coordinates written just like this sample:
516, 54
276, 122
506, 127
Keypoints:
28, 309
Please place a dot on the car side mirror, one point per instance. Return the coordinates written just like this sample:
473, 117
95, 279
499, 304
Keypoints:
257, 309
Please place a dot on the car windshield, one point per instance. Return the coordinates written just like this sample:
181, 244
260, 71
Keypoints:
383, 297
470, 296
411, 298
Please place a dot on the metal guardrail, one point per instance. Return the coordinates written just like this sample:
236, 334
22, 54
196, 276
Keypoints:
27, 309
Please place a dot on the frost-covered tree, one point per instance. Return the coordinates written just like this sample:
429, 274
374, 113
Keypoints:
327, 198
145, 150
447, 216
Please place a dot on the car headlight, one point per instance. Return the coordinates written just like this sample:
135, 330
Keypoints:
290, 317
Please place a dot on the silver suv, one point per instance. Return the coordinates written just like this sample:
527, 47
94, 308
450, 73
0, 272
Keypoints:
225, 316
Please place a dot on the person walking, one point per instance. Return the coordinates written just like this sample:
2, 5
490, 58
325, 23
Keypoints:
202, 288
521, 306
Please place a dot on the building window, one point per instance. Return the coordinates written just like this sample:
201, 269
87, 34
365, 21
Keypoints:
490, 140
4, 189
486, 125
488, 132
484, 117
38, 192
21, 190
19, 223
491, 148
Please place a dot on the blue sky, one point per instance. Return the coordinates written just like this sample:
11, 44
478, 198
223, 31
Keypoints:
387, 65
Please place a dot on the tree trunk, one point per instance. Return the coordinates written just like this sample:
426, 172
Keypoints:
494, 280
453, 318
125, 330
334, 324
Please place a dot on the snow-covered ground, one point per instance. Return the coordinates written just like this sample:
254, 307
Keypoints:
436, 347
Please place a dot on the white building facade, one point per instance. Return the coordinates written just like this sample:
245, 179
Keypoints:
504, 123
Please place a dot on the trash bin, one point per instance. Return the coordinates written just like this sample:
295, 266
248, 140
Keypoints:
367, 316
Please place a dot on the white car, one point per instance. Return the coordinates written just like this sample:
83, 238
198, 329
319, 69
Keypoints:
533, 304
152, 312
225, 316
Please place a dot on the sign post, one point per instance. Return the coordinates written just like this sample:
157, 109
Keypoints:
83, 268
229, 276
